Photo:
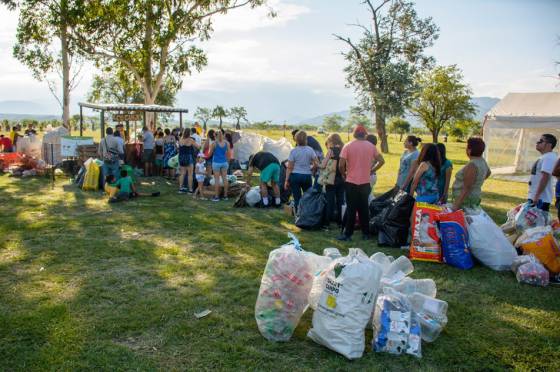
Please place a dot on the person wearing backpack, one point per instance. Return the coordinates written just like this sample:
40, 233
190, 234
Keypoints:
331, 178
109, 152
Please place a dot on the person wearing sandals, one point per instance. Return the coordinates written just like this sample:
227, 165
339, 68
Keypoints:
187, 150
219, 152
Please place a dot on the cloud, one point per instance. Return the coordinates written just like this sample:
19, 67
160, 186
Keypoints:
247, 19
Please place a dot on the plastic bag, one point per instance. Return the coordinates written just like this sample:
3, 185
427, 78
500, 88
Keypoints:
249, 144
530, 216
91, 179
311, 210
432, 314
280, 149
425, 235
520, 260
532, 235
533, 272
546, 250
173, 162
396, 328
454, 240
285, 286
487, 241
253, 196
346, 304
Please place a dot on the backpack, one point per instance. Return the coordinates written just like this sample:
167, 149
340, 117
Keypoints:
110, 156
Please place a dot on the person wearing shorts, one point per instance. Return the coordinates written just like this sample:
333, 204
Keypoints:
219, 152
269, 167
148, 153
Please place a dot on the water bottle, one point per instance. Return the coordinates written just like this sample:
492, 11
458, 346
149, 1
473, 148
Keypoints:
382, 260
399, 268
432, 314
408, 286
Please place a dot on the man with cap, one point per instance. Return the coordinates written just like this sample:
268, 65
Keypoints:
358, 160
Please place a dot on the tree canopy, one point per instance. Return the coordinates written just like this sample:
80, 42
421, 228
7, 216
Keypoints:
219, 112
204, 115
442, 98
333, 123
399, 126
382, 64
238, 113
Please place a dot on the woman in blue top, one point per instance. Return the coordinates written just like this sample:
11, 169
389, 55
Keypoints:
408, 162
425, 182
445, 174
219, 152
300, 162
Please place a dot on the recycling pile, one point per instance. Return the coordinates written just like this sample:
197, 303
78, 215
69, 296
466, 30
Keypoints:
347, 294
20, 165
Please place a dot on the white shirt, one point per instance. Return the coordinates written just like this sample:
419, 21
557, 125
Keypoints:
197, 138
121, 144
545, 164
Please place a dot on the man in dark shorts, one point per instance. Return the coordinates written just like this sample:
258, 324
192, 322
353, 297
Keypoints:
269, 168
148, 154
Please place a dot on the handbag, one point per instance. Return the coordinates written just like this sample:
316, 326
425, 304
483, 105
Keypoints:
110, 156
328, 174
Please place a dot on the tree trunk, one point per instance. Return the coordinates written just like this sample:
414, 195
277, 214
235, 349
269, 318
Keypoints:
65, 70
237, 126
150, 123
435, 134
381, 131
400, 139
220, 123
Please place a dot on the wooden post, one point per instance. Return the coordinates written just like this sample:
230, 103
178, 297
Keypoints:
81, 121
102, 121
180, 120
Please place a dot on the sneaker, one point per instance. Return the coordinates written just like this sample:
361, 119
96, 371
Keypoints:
215, 199
225, 198
344, 238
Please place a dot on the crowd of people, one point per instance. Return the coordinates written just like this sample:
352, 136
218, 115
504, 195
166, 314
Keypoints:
9, 143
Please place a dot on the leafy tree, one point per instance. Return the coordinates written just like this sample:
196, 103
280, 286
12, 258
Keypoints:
152, 39
204, 115
219, 112
238, 113
399, 126
442, 98
382, 64
43, 44
10, 4
463, 128
6, 125
333, 123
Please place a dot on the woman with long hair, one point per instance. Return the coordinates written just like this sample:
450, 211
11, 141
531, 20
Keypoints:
445, 174
169, 151
188, 148
425, 182
210, 138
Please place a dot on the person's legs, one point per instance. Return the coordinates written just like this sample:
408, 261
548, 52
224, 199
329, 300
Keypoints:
190, 177
182, 171
339, 194
363, 208
223, 172
330, 192
296, 186
216, 183
352, 199
306, 182
264, 190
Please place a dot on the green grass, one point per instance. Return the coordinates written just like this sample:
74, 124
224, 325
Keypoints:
88, 285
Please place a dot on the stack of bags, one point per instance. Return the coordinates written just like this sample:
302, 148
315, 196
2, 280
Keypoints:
347, 294
535, 236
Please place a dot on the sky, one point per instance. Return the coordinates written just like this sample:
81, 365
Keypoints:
290, 67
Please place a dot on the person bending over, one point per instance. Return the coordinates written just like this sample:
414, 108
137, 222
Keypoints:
269, 168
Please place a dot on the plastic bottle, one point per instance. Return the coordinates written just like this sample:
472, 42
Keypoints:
382, 260
399, 268
408, 286
333, 253
432, 314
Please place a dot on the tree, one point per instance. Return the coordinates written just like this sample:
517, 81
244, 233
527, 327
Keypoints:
204, 115
219, 113
333, 123
463, 128
381, 66
43, 44
238, 113
442, 98
152, 39
399, 126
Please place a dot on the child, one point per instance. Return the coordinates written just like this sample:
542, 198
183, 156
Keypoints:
126, 188
110, 186
200, 173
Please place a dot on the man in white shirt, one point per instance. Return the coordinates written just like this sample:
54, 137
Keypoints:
196, 137
540, 185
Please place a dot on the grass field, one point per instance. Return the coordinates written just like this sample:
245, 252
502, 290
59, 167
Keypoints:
88, 285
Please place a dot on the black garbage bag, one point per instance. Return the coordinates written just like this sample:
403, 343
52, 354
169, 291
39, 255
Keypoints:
400, 211
284, 192
393, 235
379, 220
382, 202
311, 209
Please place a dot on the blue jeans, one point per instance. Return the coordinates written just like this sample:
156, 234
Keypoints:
299, 183
109, 168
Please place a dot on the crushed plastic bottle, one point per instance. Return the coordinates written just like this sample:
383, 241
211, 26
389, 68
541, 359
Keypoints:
408, 286
399, 269
432, 314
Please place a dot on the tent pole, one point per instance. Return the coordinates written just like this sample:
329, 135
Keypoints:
81, 122
102, 121
180, 120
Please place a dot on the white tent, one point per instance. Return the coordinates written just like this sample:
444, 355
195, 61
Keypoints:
512, 128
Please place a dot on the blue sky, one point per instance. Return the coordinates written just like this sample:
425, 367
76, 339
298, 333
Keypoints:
290, 67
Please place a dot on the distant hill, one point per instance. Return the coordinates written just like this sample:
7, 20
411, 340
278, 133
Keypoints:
483, 104
29, 117
23, 107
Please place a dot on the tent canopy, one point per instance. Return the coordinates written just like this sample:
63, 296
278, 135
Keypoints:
514, 125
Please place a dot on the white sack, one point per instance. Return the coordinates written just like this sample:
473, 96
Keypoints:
281, 148
248, 144
346, 304
253, 196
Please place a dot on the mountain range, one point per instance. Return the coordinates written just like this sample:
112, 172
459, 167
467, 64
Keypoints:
483, 105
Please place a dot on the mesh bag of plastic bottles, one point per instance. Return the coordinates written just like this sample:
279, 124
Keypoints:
396, 328
285, 285
533, 272
530, 216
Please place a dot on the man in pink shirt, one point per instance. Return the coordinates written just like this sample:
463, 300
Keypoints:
358, 160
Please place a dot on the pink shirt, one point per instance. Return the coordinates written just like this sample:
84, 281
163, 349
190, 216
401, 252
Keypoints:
359, 157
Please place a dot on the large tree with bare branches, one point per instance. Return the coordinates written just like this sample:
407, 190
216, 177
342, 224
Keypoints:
153, 39
382, 64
